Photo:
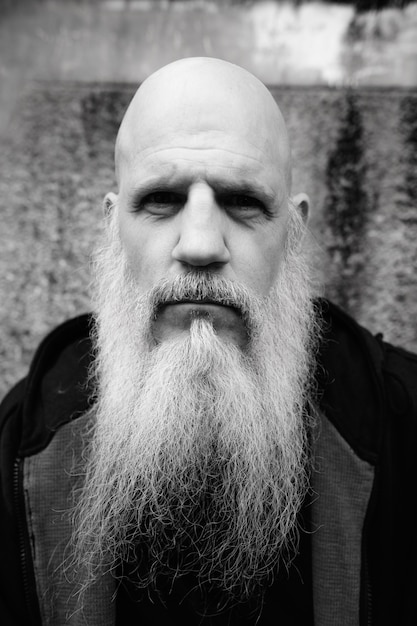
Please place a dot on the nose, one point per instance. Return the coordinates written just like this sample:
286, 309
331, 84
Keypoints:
201, 239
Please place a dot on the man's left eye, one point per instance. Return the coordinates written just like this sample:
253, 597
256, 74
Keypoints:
245, 206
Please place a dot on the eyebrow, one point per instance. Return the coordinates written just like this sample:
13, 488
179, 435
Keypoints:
220, 186
245, 188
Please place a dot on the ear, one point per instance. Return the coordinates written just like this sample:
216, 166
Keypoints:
301, 202
109, 202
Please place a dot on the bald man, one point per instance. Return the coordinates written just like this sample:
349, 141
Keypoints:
216, 444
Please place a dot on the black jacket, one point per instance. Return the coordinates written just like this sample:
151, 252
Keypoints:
364, 546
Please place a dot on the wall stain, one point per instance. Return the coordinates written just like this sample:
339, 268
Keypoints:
101, 114
408, 126
346, 207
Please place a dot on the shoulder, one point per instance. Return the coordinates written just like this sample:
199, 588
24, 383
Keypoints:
364, 382
400, 385
400, 371
393, 363
55, 390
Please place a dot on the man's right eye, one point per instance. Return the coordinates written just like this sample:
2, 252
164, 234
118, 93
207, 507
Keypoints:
162, 202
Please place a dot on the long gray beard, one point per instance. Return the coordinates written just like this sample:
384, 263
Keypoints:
198, 454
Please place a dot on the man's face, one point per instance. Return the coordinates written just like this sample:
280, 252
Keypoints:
203, 193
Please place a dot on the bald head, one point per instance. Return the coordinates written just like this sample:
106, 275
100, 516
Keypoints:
203, 168
204, 94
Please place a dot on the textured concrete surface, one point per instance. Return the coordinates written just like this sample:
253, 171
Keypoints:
354, 153
297, 42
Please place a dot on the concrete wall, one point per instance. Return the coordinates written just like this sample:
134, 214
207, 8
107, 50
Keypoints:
354, 153
354, 149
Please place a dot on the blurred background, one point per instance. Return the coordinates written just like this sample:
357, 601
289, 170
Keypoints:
344, 74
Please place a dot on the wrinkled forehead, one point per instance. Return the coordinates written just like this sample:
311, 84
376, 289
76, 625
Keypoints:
231, 108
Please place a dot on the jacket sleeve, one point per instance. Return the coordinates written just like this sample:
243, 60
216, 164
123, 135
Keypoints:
398, 479
13, 610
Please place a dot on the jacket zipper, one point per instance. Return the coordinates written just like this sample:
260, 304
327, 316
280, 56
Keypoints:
20, 515
369, 597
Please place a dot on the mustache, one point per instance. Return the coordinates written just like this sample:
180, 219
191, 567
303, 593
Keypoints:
202, 286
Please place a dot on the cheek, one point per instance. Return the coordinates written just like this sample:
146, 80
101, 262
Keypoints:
274, 251
261, 261
147, 253
132, 243
275, 257
269, 271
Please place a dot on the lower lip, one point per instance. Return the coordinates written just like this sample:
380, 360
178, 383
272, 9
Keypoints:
199, 306
177, 317
186, 311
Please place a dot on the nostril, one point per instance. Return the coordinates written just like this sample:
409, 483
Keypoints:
201, 249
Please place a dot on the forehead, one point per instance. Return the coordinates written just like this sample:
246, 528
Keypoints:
224, 162
202, 124
201, 149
